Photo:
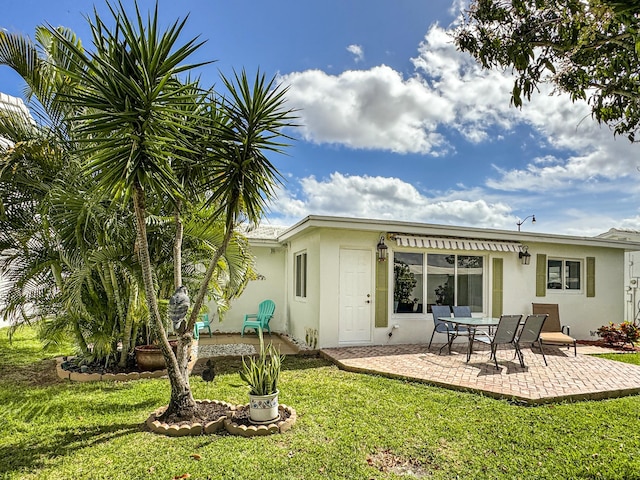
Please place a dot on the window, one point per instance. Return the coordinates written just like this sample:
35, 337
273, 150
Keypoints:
408, 283
455, 280
450, 280
300, 274
563, 275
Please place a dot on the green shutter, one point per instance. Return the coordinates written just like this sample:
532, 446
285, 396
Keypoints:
382, 294
497, 290
591, 276
541, 275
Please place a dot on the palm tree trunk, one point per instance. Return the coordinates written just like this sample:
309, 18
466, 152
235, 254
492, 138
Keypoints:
182, 403
128, 325
199, 300
177, 249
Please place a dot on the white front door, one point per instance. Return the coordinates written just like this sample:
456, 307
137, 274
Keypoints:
356, 296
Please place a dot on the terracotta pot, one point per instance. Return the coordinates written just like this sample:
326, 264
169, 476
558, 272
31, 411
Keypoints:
149, 357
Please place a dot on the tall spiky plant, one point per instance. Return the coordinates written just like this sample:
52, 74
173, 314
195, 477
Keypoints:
138, 127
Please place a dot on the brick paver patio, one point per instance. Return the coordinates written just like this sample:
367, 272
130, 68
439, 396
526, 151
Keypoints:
567, 377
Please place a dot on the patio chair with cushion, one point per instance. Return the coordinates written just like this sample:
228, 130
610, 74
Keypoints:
505, 335
552, 331
441, 326
260, 320
530, 335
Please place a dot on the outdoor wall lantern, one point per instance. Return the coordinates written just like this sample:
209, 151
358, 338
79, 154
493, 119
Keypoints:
524, 255
382, 249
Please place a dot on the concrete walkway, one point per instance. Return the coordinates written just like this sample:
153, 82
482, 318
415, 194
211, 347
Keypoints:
567, 377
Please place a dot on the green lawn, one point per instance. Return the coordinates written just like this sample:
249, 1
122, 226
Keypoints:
349, 426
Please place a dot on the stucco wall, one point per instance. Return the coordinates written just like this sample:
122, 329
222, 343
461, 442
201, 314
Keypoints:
271, 264
304, 312
321, 309
584, 315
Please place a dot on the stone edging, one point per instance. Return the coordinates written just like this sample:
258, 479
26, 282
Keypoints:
228, 424
195, 428
258, 430
111, 377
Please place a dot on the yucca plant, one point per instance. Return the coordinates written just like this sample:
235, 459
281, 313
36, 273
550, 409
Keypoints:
263, 371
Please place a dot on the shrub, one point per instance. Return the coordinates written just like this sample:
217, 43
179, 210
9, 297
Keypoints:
625, 332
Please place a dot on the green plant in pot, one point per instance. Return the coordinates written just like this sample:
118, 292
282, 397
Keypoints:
262, 373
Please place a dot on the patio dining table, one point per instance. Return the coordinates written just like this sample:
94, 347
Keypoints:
472, 324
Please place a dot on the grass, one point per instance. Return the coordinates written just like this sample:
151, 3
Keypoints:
349, 426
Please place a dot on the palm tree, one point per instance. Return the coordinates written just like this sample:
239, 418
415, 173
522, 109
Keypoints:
67, 253
138, 128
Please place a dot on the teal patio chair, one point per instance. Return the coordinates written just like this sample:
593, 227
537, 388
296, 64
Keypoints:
260, 320
201, 325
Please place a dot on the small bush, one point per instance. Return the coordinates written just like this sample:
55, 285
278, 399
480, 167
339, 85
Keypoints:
625, 332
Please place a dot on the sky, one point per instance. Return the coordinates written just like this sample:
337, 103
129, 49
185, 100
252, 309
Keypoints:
395, 123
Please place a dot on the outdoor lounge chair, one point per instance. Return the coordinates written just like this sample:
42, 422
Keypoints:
530, 335
201, 325
552, 332
505, 334
260, 320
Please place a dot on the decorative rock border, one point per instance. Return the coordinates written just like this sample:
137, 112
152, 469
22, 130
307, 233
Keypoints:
280, 426
195, 428
111, 377
228, 424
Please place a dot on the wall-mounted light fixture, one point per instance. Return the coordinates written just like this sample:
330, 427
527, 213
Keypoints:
532, 217
524, 255
382, 249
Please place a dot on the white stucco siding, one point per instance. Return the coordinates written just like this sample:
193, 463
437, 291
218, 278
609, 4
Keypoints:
304, 312
583, 314
270, 264
332, 241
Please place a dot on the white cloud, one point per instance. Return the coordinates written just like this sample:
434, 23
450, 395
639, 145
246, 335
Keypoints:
357, 52
388, 198
368, 109
381, 109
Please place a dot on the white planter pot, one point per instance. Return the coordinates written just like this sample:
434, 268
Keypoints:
263, 408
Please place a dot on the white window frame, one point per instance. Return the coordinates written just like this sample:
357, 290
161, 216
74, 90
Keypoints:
300, 272
565, 290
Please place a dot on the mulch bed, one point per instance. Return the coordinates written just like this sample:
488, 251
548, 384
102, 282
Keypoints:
241, 416
207, 412
622, 347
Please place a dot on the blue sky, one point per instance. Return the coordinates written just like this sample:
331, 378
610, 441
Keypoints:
396, 124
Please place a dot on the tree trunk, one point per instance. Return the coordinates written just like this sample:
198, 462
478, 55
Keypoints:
128, 325
199, 300
182, 404
177, 249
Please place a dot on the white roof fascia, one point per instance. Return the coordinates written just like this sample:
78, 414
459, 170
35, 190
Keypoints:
426, 229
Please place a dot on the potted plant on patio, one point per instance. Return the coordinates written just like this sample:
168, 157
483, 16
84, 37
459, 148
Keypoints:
262, 374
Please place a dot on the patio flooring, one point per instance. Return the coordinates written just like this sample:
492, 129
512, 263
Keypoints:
567, 377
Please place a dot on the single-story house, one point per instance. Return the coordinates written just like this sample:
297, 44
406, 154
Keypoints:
349, 281
631, 271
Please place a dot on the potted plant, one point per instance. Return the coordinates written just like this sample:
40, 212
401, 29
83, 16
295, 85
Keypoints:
262, 373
